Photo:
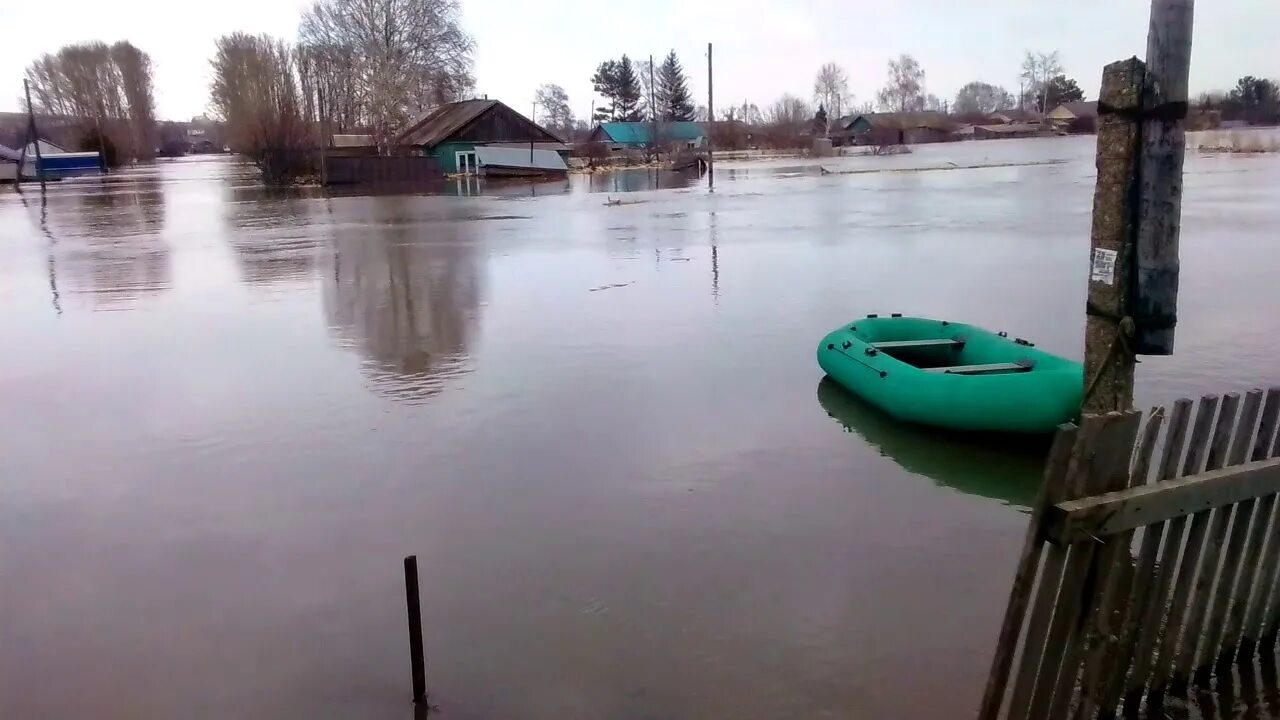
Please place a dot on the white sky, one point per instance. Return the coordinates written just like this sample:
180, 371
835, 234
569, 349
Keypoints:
763, 48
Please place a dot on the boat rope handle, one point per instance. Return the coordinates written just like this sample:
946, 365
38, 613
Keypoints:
872, 368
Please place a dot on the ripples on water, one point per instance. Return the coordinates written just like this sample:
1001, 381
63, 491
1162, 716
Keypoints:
590, 406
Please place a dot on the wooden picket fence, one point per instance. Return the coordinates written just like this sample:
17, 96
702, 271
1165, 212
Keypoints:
1150, 565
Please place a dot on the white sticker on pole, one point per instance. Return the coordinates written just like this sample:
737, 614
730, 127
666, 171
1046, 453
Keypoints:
1104, 266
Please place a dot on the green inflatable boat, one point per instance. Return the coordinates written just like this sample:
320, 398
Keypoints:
952, 375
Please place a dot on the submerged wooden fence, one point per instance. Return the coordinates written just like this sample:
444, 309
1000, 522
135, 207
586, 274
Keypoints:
1150, 562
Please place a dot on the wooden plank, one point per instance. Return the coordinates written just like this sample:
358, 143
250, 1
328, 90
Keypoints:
1259, 574
1211, 554
1046, 598
1110, 619
1046, 629
978, 369
898, 344
1024, 577
1156, 569
1242, 520
1110, 513
1155, 297
1194, 528
1107, 468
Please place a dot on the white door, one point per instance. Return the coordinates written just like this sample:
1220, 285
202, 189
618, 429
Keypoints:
466, 162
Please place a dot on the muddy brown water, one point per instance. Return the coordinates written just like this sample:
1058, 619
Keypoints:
226, 414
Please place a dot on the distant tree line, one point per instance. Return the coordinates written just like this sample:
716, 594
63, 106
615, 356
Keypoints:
1253, 100
108, 88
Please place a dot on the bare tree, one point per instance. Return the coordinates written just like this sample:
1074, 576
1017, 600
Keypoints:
108, 89
831, 89
327, 74
407, 55
904, 89
256, 93
1037, 69
553, 109
980, 98
787, 119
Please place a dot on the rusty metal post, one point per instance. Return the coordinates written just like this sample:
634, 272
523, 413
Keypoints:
415, 628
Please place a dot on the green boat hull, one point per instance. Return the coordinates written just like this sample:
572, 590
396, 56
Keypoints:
953, 375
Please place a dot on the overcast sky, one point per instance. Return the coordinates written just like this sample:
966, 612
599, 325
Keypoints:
763, 48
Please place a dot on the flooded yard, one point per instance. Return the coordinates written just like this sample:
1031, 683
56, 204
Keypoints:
590, 407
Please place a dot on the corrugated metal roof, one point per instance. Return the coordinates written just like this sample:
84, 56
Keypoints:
441, 122
640, 133
517, 158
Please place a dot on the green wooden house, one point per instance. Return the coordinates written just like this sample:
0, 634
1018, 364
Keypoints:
450, 133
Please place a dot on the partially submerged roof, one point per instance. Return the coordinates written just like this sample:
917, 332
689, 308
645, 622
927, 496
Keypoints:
1015, 115
903, 120
509, 157
1084, 108
8, 153
1012, 128
641, 133
461, 120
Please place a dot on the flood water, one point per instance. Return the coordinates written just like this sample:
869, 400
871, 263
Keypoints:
590, 408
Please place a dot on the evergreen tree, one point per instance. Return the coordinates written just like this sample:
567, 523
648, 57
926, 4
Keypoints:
605, 83
673, 99
820, 122
626, 103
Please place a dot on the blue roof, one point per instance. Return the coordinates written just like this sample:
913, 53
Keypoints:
638, 133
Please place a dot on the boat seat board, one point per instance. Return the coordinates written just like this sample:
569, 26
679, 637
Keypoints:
899, 344
979, 369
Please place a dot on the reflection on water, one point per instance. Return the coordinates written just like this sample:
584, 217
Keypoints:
104, 239
634, 510
405, 293
273, 236
1004, 468
641, 179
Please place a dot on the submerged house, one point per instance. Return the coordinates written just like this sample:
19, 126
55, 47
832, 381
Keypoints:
621, 136
1076, 115
452, 133
905, 128
59, 163
9, 159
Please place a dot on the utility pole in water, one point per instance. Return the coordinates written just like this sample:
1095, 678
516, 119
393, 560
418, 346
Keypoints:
35, 139
1137, 208
711, 121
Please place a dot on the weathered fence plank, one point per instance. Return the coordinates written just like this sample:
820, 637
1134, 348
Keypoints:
1051, 579
1197, 450
1214, 538
1107, 468
1242, 520
1255, 555
1157, 566
1110, 513
1117, 578
1024, 578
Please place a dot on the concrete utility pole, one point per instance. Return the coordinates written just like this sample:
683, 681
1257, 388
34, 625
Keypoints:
1133, 277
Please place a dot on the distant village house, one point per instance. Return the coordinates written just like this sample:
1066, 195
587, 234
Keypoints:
1079, 116
908, 128
622, 136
